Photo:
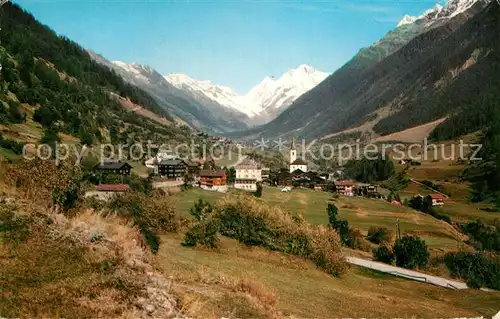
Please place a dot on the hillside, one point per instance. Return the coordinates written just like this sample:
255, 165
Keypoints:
436, 73
52, 89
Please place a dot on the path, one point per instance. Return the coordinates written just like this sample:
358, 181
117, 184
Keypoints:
409, 274
428, 187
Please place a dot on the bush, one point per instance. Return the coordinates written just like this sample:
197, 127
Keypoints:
411, 252
378, 235
254, 224
384, 254
478, 269
436, 213
483, 237
351, 238
13, 228
258, 192
44, 181
201, 210
357, 240
203, 233
149, 213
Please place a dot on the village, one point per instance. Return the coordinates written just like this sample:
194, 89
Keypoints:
168, 171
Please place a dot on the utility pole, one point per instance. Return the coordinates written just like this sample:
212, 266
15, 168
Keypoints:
398, 228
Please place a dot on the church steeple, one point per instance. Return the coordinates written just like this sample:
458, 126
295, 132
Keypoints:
293, 151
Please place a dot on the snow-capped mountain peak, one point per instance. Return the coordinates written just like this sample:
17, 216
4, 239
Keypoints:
264, 100
407, 19
450, 9
274, 96
222, 95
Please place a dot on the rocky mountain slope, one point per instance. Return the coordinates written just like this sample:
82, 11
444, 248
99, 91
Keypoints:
403, 89
199, 112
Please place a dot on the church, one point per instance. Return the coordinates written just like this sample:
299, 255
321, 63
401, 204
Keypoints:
296, 163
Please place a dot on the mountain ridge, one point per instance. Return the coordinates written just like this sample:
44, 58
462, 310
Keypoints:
369, 82
202, 115
265, 100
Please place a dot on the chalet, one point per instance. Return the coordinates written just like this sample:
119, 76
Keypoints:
115, 167
213, 180
437, 200
107, 191
345, 188
248, 174
152, 163
172, 169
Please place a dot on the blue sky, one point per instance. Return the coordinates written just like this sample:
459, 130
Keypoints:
232, 43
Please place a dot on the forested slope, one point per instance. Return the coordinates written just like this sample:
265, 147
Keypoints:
56, 81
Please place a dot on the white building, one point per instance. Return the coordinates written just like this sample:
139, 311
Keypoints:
248, 174
296, 163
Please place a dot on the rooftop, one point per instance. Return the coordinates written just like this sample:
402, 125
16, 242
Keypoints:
248, 163
209, 173
112, 188
344, 183
299, 161
112, 165
171, 162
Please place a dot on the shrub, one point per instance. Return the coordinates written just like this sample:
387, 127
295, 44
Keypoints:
258, 192
154, 211
483, 237
13, 228
332, 214
255, 224
351, 238
384, 254
66, 198
411, 252
149, 213
478, 269
436, 213
201, 210
203, 233
44, 181
356, 240
378, 235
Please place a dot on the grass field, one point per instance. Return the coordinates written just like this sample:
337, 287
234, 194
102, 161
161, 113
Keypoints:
304, 291
362, 213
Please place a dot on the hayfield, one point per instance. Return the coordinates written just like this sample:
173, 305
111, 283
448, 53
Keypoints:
361, 213
285, 285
